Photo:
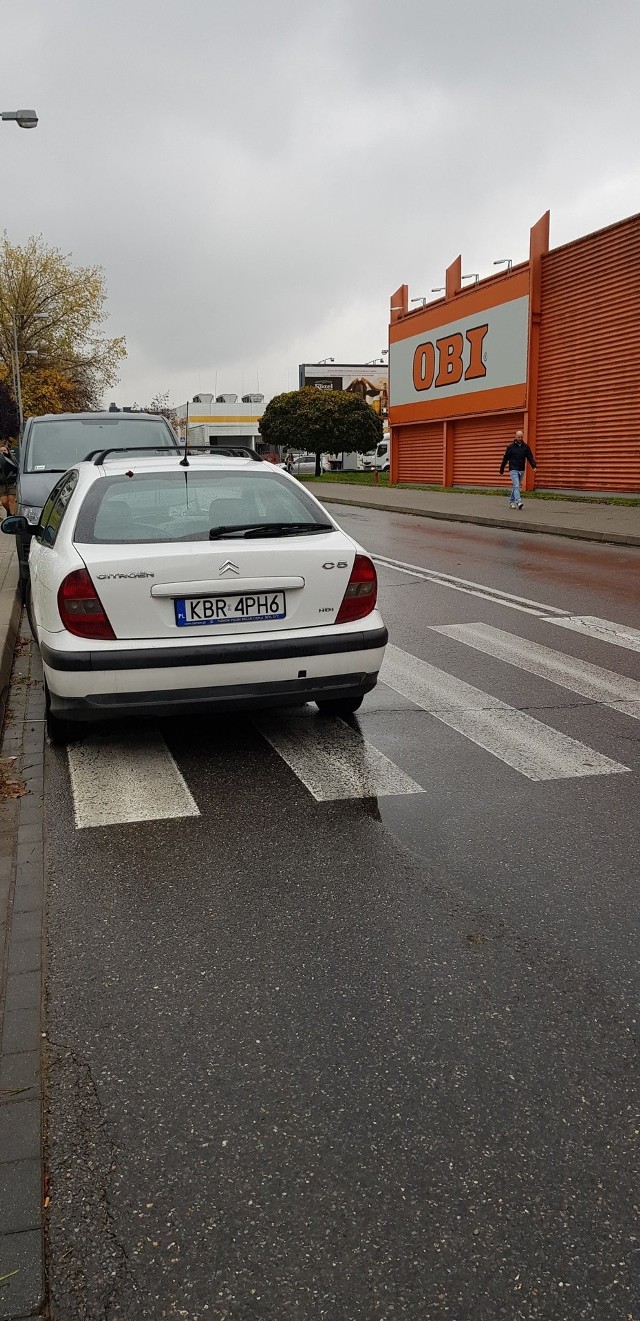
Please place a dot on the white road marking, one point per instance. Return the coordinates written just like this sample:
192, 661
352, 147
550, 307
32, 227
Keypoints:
331, 759
471, 588
590, 681
131, 778
621, 635
530, 747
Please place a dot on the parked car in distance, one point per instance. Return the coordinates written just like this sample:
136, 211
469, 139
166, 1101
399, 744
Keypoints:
304, 463
157, 587
53, 442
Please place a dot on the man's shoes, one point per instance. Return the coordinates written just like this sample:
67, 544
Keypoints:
521, 506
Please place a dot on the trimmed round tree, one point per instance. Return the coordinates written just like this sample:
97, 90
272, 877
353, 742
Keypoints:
321, 421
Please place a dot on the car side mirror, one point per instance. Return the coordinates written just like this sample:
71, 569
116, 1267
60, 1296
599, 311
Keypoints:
17, 525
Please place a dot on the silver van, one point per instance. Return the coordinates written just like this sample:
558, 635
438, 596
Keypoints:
55, 441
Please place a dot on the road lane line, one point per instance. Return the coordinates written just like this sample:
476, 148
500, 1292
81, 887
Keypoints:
621, 635
454, 587
131, 778
590, 681
527, 745
472, 588
331, 759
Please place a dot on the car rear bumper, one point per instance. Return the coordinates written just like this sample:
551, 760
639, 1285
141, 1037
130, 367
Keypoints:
231, 676
237, 697
223, 653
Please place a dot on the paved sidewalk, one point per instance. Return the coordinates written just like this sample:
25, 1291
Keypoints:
619, 524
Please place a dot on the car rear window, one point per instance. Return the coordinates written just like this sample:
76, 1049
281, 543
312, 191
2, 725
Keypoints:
57, 445
183, 505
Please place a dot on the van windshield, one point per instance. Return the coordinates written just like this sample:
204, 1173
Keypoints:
382, 449
54, 446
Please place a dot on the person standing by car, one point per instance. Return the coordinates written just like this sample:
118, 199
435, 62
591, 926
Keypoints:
8, 474
516, 455
290, 463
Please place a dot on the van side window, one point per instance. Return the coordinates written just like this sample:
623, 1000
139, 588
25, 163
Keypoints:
55, 508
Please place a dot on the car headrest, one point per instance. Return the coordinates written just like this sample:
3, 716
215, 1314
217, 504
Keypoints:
225, 510
114, 520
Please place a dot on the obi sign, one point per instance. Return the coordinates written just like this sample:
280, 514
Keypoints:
448, 360
477, 362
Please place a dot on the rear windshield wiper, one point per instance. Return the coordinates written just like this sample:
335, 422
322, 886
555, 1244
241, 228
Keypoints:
267, 529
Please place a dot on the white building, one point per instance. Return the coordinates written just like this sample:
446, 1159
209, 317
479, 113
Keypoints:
221, 420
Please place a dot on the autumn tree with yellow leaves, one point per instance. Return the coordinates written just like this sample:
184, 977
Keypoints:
58, 311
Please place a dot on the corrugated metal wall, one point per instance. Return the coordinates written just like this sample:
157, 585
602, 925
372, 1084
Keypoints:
420, 452
478, 446
588, 426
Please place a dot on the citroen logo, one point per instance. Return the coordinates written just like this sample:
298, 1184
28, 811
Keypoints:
229, 567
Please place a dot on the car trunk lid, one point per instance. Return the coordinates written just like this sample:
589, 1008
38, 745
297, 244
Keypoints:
149, 591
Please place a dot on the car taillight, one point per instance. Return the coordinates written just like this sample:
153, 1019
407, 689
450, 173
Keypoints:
81, 609
362, 591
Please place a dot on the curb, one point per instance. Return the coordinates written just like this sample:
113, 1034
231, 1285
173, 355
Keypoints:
484, 520
10, 613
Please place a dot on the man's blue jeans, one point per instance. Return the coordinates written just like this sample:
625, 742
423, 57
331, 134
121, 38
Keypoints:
516, 478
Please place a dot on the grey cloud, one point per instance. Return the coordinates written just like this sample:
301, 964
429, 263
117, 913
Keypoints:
256, 177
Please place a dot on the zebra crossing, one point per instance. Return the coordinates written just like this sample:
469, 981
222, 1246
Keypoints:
516, 738
590, 681
128, 777
132, 777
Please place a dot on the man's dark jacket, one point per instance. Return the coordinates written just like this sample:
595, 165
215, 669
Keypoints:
515, 455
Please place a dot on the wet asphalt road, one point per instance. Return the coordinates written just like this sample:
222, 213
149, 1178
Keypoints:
363, 1058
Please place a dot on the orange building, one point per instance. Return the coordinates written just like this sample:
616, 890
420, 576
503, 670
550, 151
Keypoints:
550, 345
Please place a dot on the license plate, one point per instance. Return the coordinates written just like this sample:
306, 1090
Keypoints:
194, 611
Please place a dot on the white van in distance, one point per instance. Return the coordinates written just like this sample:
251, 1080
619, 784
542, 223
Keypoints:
382, 460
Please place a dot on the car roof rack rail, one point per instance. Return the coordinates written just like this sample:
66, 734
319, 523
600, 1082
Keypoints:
172, 452
230, 452
99, 456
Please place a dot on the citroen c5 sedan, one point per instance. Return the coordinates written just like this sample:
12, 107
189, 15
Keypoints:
159, 586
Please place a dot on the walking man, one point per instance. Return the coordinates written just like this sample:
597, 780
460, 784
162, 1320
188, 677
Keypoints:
516, 455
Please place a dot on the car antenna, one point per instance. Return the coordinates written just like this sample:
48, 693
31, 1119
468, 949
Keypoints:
184, 461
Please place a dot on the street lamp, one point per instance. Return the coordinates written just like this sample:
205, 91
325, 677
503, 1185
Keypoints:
23, 118
29, 353
504, 261
474, 277
16, 376
420, 300
321, 360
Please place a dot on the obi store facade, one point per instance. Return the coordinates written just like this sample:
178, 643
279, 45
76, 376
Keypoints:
551, 346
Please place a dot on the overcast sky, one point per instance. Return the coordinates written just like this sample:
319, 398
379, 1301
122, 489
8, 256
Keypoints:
256, 177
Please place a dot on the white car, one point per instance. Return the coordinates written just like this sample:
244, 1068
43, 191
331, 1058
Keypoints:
159, 587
